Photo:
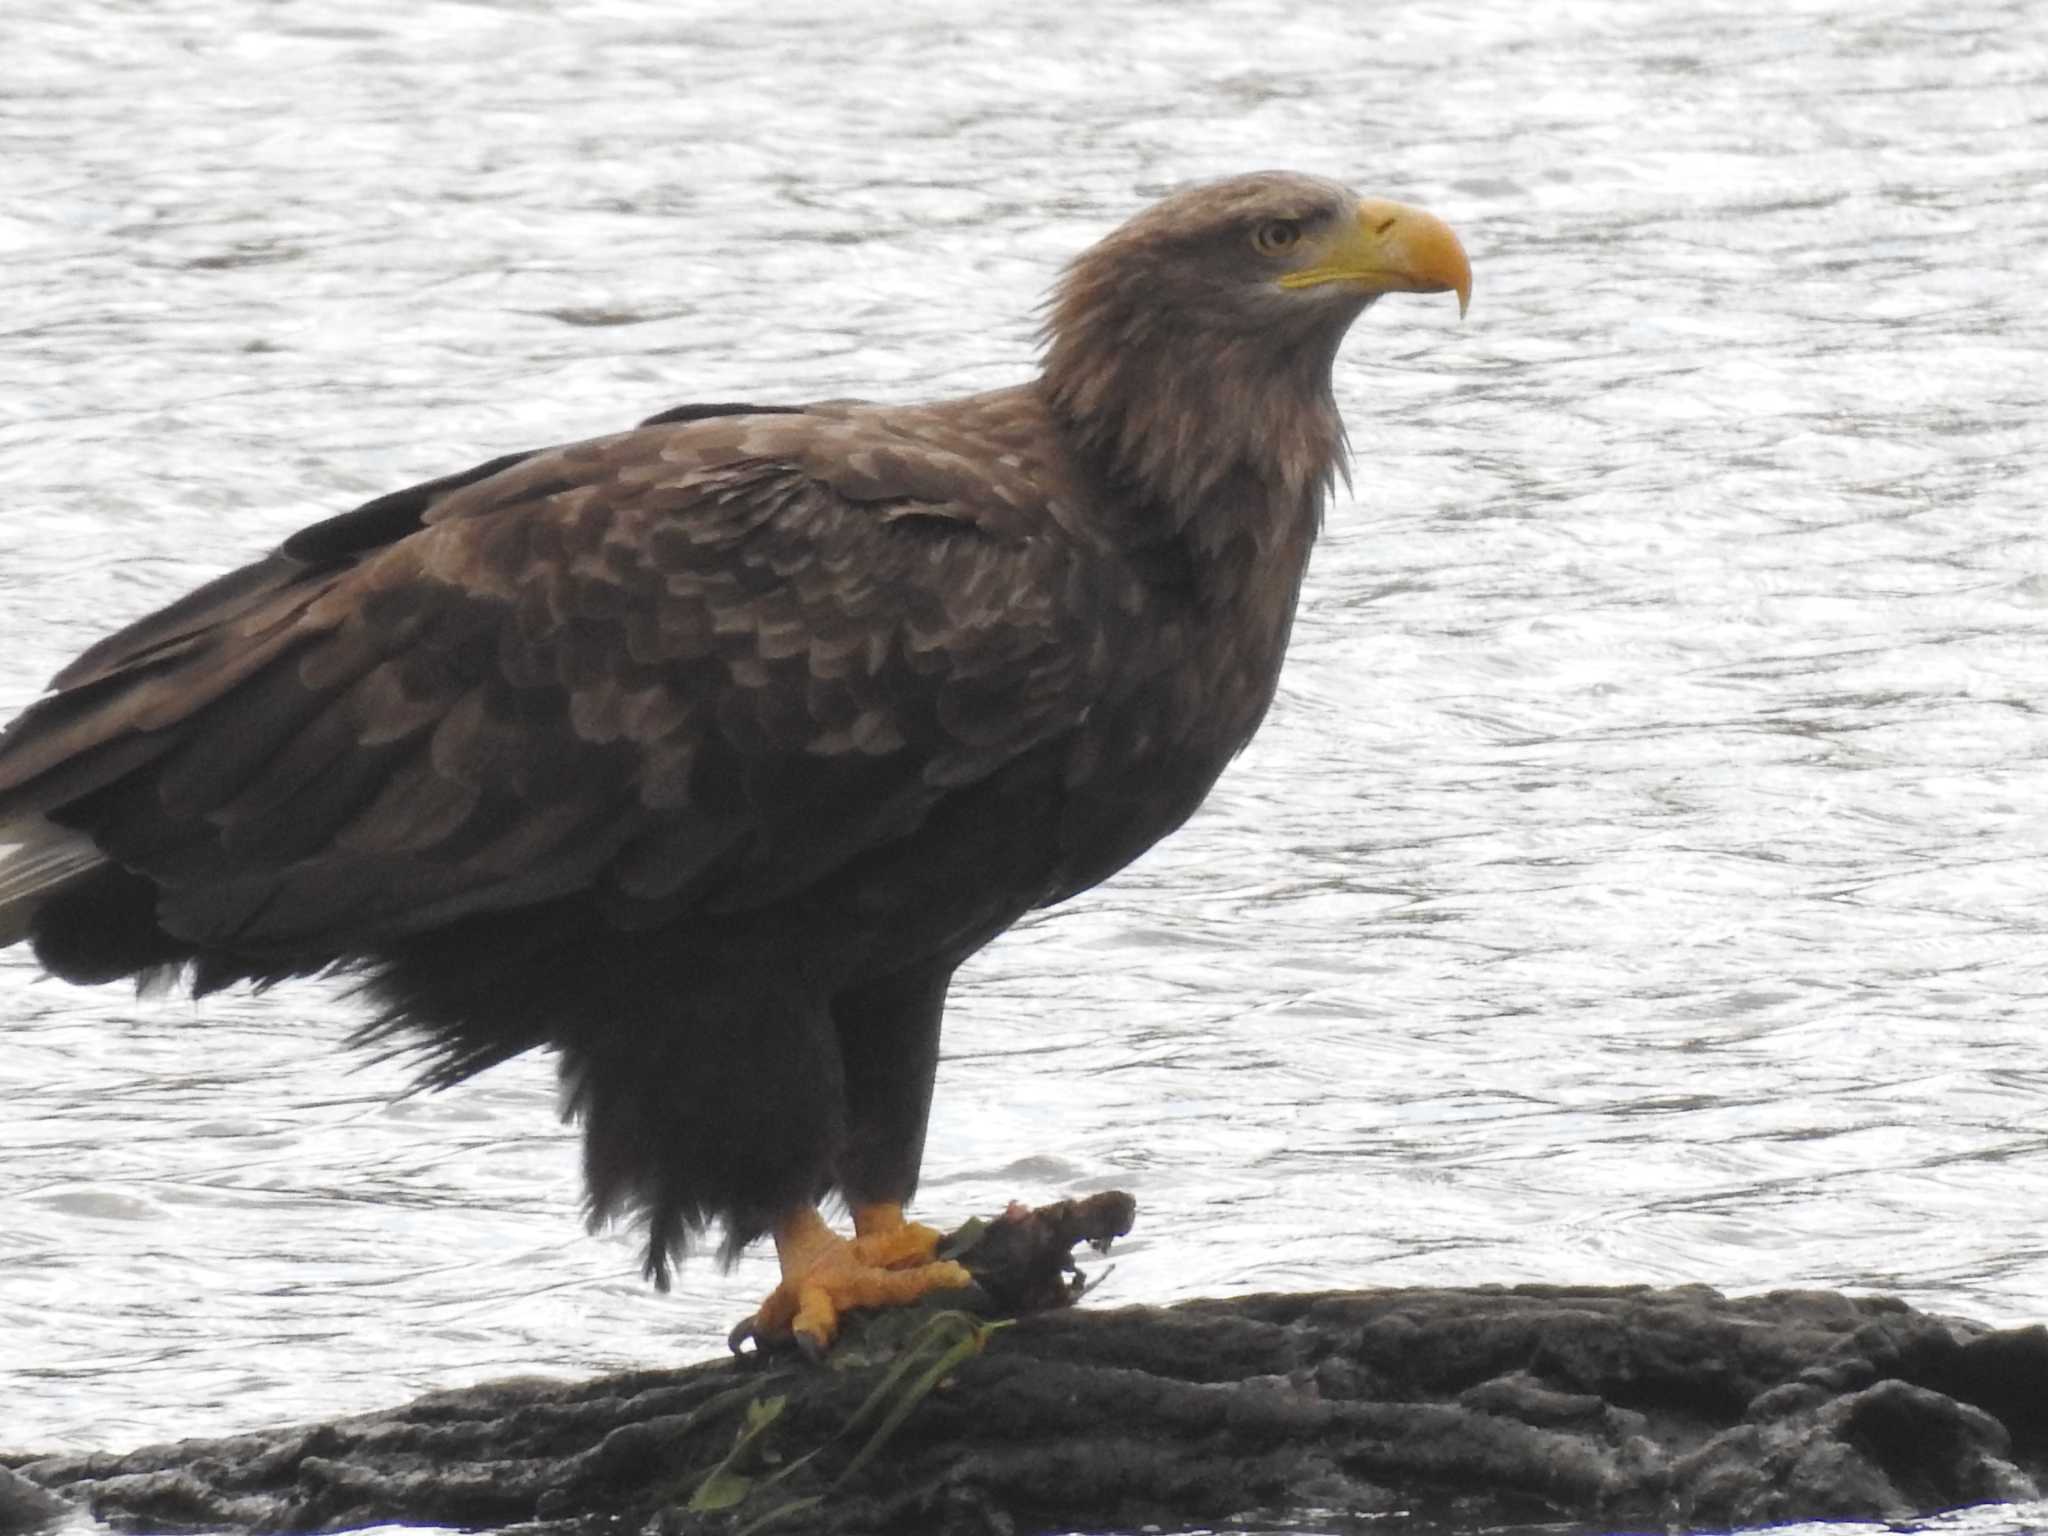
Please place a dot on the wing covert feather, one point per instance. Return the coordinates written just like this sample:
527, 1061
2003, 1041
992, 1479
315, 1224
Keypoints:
681, 665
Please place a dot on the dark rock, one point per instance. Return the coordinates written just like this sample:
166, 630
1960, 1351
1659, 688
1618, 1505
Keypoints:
26, 1505
1420, 1408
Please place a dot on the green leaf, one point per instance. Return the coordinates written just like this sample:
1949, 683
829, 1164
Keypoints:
971, 1337
964, 1240
721, 1489
724, 1486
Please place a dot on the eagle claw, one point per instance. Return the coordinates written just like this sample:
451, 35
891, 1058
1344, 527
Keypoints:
824, 1275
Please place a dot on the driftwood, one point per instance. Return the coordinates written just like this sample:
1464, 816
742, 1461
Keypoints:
1421, 1408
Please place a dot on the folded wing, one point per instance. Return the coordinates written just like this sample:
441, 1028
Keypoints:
695, 666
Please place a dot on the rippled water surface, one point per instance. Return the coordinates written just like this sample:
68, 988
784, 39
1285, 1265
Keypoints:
1641, 876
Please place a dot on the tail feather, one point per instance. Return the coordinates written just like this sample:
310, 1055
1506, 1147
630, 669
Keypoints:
38, 858
119, 728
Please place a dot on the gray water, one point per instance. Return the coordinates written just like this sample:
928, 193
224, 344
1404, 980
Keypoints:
1641, 876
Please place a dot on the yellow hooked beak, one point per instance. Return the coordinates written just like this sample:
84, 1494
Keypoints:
1388, 248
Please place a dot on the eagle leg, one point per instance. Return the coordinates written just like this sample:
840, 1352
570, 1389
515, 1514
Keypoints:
823, 1274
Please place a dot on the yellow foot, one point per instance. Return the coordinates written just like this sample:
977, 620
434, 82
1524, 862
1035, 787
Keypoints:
882, 1237
888, 1264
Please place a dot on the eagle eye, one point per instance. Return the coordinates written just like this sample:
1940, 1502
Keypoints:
1276, 237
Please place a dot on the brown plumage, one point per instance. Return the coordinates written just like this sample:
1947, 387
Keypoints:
705, 752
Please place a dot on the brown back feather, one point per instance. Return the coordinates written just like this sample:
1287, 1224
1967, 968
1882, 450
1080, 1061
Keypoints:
676, 667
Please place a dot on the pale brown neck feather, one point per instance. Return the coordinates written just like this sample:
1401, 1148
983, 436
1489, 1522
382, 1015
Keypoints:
1221, 432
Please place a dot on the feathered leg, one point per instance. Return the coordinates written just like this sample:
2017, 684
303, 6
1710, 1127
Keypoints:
889, 1050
